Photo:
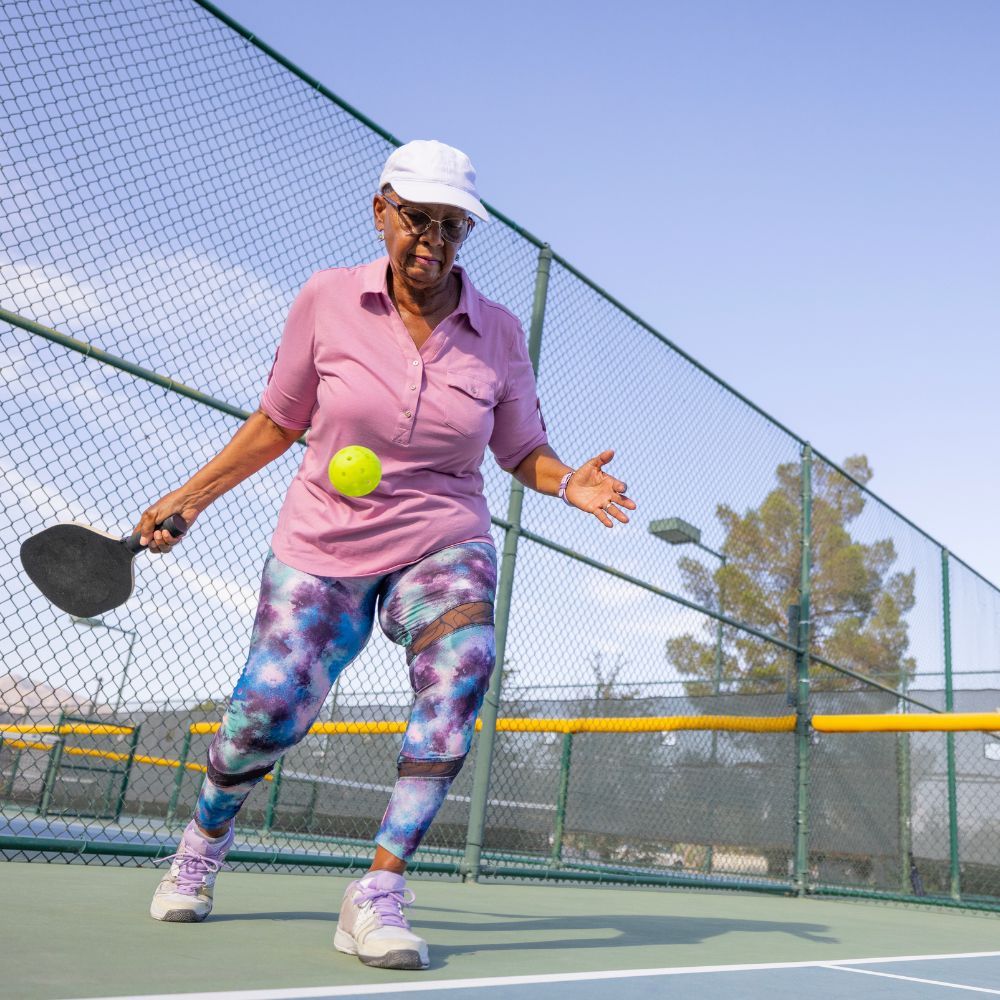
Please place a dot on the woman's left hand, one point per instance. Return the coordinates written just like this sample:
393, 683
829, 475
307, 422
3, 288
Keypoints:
598, 492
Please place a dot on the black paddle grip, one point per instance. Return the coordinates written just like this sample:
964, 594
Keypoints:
175, 524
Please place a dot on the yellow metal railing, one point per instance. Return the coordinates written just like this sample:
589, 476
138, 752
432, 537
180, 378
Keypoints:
938, 722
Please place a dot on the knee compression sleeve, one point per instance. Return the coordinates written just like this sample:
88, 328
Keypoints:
223, 793
450, 665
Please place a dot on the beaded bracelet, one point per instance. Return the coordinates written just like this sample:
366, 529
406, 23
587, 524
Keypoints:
563, 483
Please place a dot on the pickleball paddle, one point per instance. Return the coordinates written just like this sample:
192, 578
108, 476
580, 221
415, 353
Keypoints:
83, 571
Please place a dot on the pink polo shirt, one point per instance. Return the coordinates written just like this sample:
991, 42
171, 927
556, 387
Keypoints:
348, 370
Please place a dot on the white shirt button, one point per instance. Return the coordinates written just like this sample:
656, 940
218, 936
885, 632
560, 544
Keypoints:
413, 387
407, 414
415, 362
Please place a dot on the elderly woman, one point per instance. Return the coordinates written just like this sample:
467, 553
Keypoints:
404, 356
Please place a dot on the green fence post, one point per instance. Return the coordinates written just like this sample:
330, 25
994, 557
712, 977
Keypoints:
311, 808
272, 799
179, 780
505, 585
563, 797
949, 706
904, 796
716, 689
8, 792
801, 878
129, 764
51, 773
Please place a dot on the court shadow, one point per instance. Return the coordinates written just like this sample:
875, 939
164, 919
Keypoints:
595, 931
327, 915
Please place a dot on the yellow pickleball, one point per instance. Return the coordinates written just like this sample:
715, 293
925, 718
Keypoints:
355, 470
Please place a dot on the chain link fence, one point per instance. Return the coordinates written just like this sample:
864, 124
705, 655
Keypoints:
168, 183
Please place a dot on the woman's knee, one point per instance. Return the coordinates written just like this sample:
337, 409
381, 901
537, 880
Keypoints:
417, 597
450, 677
253, 734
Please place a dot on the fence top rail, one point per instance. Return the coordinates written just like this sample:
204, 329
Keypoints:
88, 350
611, 724
67, 729
948, 722
862, 722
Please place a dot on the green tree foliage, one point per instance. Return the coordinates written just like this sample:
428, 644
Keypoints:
859, 605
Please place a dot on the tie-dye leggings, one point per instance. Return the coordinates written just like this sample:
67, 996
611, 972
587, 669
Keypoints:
309, 628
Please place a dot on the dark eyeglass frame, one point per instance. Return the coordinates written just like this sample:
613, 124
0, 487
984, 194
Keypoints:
416, 229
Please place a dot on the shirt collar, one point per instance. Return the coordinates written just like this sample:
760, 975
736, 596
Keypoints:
374, 282
469, 302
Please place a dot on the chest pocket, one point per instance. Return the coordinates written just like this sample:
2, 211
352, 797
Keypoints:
469, 401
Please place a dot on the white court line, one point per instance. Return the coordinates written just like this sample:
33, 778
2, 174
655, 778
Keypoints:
914, 979
418, 986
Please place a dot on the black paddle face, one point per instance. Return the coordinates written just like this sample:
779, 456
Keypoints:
82, 571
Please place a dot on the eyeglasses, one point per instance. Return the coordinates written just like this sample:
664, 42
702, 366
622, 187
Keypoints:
416, 223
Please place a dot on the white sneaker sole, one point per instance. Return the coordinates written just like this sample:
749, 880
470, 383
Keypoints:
401, 958
176, 914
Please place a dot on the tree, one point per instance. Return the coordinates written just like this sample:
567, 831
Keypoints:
605, 669
858, 605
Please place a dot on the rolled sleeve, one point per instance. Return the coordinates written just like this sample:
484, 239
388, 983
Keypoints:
518, 428
289, 398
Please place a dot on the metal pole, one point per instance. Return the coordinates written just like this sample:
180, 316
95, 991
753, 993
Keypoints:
8, 792
716, 688
491, 704
129, 764
100, 623
949, 706
801, 878
90, 351
563, 797
904, 797
128, 660
710, 846
272, 799
717, 681
717, 684
179, 780
311, 807
97, 695
48, 784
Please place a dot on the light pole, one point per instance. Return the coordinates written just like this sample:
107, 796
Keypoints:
131, 633
675, 531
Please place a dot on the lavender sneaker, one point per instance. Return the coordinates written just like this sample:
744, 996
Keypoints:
184, 894
372, 925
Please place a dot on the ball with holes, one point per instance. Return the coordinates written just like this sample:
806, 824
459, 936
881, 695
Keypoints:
355, 471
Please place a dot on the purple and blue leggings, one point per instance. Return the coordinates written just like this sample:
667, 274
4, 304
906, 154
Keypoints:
308, 628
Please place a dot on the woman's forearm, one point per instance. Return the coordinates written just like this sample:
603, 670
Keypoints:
541, 471
590, 488
259, 441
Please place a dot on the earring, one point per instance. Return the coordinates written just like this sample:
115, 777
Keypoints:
457, 256
379, 235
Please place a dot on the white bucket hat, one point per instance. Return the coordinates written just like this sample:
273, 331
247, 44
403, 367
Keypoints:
428, 171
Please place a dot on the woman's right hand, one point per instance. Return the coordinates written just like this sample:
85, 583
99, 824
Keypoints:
258, 441
177, 502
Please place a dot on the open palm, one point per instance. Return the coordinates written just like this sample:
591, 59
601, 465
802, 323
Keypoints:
598, 492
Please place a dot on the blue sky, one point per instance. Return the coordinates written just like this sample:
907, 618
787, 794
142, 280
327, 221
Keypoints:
803, 196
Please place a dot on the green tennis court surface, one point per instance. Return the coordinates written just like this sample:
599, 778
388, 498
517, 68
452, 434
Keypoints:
82, 931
